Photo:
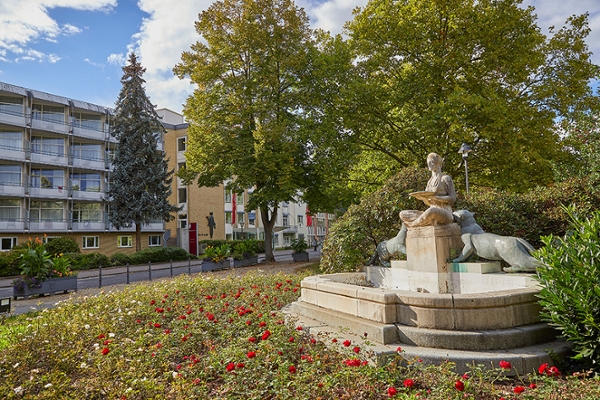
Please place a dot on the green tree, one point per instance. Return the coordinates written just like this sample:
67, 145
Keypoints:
250, 121
140, 184
432, 74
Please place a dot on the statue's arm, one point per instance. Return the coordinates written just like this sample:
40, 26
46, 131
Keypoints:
450, 196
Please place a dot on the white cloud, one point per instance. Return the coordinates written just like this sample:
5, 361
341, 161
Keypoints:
117, 59
330, 15
24, 21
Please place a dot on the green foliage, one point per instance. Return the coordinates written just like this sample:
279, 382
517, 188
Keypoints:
216, 254
253, 246
299, 245
62, 245
432, 74
570, 293
10, 263
159, 255
140, 182
90, 261
36, 262
354, 236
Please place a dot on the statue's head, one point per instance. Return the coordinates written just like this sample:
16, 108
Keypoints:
434, 161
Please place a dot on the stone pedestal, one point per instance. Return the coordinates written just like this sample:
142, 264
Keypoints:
428, 250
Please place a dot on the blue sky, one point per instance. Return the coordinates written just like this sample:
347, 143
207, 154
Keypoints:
75, 48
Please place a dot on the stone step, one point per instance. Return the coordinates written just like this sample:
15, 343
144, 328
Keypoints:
525, 359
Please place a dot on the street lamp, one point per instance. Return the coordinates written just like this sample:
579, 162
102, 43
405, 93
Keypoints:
464, 150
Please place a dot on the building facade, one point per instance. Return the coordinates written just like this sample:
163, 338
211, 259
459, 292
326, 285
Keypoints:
232, 218
54, 171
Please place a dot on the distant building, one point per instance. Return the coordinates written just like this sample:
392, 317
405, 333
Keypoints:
54, 170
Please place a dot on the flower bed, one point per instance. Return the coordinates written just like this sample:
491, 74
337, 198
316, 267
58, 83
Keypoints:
50, 286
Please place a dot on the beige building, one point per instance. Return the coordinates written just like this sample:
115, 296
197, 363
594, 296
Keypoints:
54, 172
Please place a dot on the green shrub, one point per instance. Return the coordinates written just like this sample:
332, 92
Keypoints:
62, 245
89, 261
118, 259
570, 294
10, 263
155, 255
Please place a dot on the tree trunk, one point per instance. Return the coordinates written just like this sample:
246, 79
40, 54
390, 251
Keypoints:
268, 225
138, 237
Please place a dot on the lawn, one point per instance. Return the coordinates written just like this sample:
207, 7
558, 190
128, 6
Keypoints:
225, 338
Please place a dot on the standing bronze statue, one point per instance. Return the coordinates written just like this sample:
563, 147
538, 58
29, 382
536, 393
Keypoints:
211, 224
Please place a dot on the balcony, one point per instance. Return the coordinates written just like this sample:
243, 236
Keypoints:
12, 225
90, 133
50, 126
88, 226
48, 226
12, 190
98, 164
92, 195
58, 160
13, 118
50, 193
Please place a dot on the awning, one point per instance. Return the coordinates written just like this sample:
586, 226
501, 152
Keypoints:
84, 105
49, 97
6, 87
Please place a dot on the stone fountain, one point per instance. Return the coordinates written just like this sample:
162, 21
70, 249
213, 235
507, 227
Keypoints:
433, 308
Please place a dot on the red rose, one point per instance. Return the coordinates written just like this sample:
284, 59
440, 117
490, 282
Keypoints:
392, 391
505, 365
251, 354
409, 383
519, 389
543, 368
292, 369
105, 351
532, 386
356, 349
459, 386
230, 367
347, 343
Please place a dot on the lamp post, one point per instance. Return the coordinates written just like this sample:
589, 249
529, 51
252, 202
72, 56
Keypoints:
464, 150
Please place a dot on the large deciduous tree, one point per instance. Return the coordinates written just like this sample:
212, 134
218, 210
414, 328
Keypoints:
140, 183
432, 74
249, 117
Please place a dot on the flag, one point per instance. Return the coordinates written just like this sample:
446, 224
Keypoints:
308, 217
233, 208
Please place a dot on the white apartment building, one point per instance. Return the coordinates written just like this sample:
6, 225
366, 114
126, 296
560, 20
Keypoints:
54, 171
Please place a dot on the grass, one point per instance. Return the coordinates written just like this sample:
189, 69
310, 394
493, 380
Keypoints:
208, 338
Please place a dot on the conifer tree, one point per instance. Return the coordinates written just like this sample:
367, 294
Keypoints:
141, 182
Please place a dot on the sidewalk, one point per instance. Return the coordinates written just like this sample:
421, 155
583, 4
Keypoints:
89, 284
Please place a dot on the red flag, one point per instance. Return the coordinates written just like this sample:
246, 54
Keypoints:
233, 209
308, 217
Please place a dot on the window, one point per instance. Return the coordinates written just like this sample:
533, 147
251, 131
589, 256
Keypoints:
287, 240
182, 220
87, 212
86, 151
7, 243
12, 140
181, 143
286, 221
86, 182
180, 166
154, 240
47, 145
227, 196
241, 218
123, 241
251, 218
46, 211
10, 209
300, 220
47, 178
90, 242
48, 239
10, 175
49, 113
88, 121
11, 105
228, 217
182, 195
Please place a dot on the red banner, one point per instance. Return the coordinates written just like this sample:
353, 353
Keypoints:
308, 217
233, 209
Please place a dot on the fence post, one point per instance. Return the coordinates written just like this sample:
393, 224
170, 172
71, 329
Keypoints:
149, 271
100, 276
128, 273
171, 268
189, 266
